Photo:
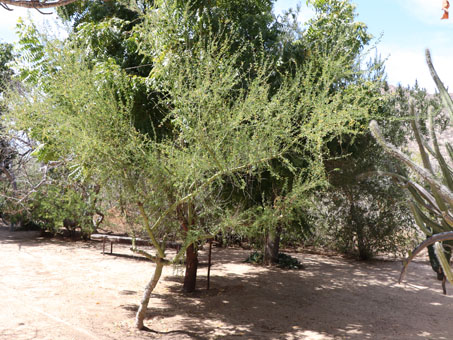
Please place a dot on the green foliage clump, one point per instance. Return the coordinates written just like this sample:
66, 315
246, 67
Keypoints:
361, 215
363, 220
255, 257
285, 261
55, 207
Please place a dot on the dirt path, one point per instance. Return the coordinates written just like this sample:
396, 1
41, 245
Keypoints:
51, 289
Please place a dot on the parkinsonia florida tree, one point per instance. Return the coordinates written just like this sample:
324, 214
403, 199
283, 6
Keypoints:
226, 122
332, 35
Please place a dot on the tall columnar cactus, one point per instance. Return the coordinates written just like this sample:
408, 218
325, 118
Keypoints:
432, 194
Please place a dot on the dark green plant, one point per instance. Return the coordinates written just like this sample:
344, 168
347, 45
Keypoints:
363, 220
71, 206
285, 261
368, 216
255, 257
8, 153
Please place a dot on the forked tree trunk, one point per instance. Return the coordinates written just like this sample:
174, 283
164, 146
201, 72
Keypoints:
141, 313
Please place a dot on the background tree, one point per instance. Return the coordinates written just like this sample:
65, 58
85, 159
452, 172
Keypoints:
225, 124
333, 33
8, 153
363, 215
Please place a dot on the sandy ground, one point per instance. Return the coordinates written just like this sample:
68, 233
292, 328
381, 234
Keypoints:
50, 289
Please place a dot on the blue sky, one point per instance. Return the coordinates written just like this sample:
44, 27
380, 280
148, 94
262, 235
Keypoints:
406, 28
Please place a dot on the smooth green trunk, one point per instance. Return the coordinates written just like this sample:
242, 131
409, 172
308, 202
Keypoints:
141, 313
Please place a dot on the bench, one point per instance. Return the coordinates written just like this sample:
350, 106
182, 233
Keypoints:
128, 240
142, 242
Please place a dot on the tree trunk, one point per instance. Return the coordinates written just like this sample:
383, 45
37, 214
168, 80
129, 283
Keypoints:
190, 278
364, 251
141, 313
272, 246
10, 176
12, 180
357, 225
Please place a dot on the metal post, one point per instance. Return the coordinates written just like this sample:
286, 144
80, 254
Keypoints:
209, 263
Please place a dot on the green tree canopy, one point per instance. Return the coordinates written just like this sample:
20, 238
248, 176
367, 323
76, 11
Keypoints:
225, 116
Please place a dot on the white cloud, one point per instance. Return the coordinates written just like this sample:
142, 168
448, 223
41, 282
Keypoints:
426, 11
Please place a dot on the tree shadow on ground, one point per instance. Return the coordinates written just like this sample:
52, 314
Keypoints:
332, 298
335, 299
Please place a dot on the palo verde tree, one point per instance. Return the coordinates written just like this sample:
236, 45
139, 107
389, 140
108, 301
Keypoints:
112, 32
225, 124
176, 30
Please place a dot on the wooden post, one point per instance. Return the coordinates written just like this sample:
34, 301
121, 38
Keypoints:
209, 264
103, 246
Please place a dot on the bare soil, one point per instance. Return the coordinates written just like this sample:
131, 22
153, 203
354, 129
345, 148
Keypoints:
54, 289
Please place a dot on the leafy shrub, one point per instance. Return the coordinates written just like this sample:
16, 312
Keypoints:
285, 261
62, 206
364, 220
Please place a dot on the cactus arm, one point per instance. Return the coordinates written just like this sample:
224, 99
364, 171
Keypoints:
446, 236
428, 197
418, 138
444, 263
425, 143
443, 164
424, 198
420, 194
423, 173
448, 218
450, 150
423, 140
419, 220
425, 157
427, 221
446, 99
